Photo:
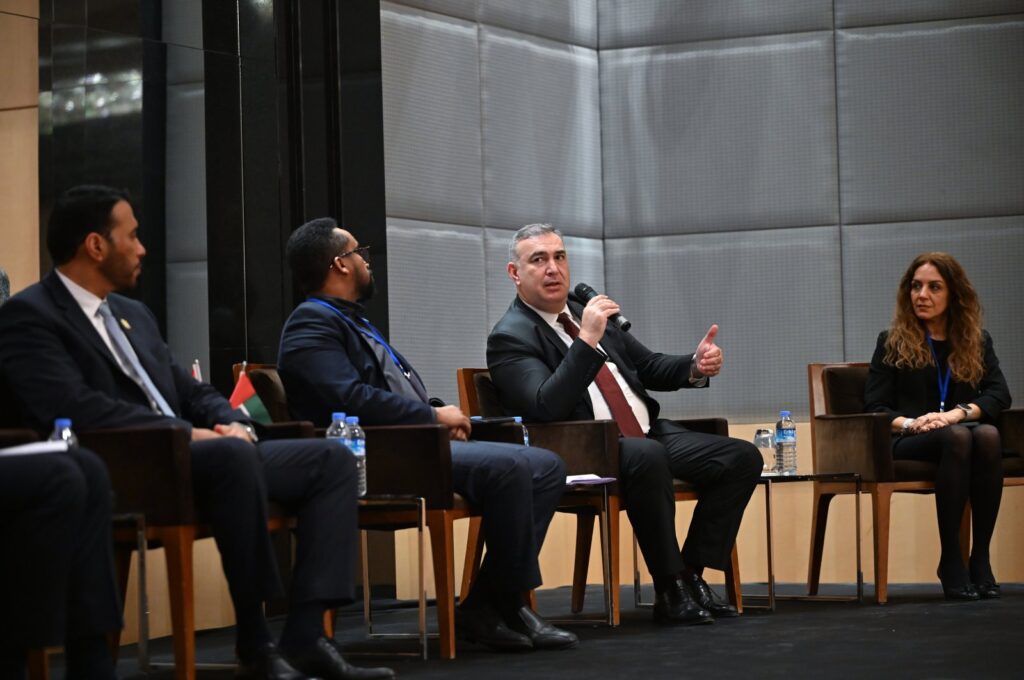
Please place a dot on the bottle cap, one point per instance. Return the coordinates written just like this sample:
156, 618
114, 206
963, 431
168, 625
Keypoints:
519, 419
783, 414
61, 423
338, 415
352, 419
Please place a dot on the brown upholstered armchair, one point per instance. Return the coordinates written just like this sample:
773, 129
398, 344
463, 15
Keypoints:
845, 439
586, 446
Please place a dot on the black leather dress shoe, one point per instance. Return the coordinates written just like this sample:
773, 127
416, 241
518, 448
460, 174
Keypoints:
483, 625
324, 660
965, 593
542, 634
707, 598
988, 590
268, 664
673, 604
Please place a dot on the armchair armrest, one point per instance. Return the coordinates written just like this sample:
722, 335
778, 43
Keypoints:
292, 429
858, 442
586, 446
410, 460
1011, 428
506, 433
719, 426
150, 471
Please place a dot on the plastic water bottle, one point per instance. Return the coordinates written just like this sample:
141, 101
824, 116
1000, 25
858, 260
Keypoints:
338, 431
526, 433
62, 432
785, 444
356, 443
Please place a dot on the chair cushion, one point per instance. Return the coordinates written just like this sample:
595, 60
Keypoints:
914, 471
844, 389
1013, 466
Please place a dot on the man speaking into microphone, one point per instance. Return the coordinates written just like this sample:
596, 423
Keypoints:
562, 356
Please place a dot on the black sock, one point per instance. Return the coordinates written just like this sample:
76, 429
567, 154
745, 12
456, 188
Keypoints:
305, 623
252, 634
89, 657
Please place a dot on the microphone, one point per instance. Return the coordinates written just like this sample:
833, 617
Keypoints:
585, 292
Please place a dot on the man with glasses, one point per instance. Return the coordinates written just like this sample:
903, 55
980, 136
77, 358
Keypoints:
333, 359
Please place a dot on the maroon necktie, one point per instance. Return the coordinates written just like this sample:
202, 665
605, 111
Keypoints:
622, 412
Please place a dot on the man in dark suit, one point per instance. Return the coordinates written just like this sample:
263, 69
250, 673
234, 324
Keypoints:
56, 574
71, 347
333, 359
552, 357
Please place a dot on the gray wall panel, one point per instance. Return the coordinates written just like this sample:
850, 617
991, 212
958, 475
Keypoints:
437, 305
569, 21
875, 257
850, 13
636, 23
185, 173
541, 133
720, 136
775, 295
930, 120
463, 9
188, 319
431, 116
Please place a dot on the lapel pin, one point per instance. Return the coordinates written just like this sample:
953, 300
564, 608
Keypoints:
124, 324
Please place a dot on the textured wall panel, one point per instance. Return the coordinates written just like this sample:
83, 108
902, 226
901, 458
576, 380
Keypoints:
930, 120
188, 321
463, 9
737, 134
586, 263
636, 23
19, 86
875, 257
185, 175
431, 116
775, 295
541, 133
437, 305
850, 13
568, 21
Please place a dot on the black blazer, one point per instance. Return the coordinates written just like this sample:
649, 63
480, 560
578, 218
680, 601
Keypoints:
56, 365
539, 378
326, 365
914, 392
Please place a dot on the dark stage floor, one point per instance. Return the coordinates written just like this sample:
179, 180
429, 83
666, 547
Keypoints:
916, 635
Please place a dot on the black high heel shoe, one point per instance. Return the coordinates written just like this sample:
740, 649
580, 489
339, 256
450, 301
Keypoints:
988, 590
964, 593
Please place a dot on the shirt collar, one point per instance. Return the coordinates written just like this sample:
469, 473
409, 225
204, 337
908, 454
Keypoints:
343, 304
87, 300
551, 319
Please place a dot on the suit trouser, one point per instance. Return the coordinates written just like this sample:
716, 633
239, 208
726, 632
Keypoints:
517, 489
316, 479
57, 570
724, 471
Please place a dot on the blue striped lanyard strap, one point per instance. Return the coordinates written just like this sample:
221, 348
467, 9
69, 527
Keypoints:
369, 331
943, 381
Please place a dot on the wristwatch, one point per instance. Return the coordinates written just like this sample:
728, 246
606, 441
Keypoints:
966, 408
249, 431
905, 427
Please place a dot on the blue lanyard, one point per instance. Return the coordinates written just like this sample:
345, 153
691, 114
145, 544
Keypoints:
369, 332
943, 382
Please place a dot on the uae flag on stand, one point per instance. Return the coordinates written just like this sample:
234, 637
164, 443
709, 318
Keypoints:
245, 399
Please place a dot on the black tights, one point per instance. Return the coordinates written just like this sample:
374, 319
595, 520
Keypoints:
970, 467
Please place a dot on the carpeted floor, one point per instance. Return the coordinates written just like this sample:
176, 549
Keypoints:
916, 635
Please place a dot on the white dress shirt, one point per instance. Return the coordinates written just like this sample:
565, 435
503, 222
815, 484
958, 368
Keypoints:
90, 305
601, 410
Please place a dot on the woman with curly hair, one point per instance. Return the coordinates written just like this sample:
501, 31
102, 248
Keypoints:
935, 372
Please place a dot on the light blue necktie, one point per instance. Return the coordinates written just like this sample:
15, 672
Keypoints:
130, 361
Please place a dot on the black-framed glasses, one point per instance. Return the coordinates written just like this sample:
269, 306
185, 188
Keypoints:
361, 251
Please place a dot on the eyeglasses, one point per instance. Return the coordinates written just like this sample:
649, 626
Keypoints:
361, 251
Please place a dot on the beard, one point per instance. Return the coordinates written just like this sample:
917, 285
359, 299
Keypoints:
119, 272
366, 290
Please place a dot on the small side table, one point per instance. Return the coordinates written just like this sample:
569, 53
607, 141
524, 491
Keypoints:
770, 480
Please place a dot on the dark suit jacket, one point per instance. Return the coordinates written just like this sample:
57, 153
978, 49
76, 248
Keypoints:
57, 366
327, 365
914, 392
539, 378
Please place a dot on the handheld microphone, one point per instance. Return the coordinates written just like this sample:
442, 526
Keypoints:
585, 292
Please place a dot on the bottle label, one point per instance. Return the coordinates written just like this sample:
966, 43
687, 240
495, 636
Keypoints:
357, 447
785, 436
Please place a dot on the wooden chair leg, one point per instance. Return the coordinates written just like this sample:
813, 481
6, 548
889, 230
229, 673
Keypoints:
531, 599
38, 664
613, 553
439, 523
819, 522
881, 499
122, 568
584, 539
474, 555
733, 586
329, 624
965, 533
178, 543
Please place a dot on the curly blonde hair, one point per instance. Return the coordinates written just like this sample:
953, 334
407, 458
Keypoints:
906, 346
